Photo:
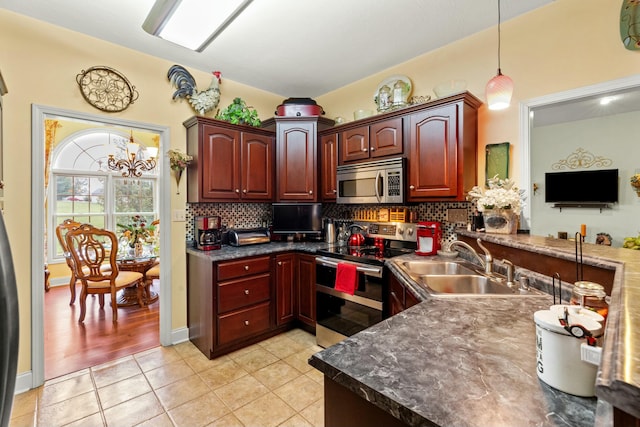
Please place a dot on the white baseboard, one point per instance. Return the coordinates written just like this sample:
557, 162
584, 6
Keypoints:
179, 335
24, 381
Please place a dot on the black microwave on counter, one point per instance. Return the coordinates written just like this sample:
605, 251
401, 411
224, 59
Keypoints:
297, 218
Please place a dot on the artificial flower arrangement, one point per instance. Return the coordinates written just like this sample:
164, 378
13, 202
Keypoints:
137, 231
501, 194
635, 181
179, 160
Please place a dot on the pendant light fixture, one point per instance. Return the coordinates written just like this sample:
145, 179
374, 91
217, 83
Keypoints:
500, 88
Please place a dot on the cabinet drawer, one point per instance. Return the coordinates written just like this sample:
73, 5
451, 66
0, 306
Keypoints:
243, 323
243, 292
243, 267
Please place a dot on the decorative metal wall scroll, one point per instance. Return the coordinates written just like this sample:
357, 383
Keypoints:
106, 89
581, 159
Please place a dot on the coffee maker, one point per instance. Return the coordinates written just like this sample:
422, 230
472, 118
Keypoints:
429, 235
208, 232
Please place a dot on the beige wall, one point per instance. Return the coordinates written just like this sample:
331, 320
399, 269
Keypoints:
564, 45
567, 44
39, 64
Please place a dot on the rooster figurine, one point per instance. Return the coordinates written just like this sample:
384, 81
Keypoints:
203, 101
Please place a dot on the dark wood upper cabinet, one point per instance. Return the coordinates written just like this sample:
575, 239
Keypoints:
442, 154
257, 161
231, 163
296, 172
297, 156
328, 165
380, 139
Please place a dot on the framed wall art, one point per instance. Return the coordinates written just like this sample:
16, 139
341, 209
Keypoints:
496, 161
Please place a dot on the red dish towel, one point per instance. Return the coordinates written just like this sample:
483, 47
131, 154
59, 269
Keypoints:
346, 278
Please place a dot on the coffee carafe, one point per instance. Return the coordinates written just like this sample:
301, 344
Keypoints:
208, 233
329, 231
429, 235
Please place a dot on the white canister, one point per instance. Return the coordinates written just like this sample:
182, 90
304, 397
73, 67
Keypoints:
558, 352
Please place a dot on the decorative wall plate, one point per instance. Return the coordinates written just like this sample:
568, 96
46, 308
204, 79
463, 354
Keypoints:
106, 89
630, 24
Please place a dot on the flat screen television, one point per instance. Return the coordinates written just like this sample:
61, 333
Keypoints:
593, 186
294, 218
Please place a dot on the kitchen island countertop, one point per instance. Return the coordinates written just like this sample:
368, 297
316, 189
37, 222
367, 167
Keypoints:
470, 361
463, 361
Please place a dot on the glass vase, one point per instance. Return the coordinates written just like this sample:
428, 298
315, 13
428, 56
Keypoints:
500, 221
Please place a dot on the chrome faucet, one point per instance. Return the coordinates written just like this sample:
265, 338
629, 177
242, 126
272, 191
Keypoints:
486, 262
510, 276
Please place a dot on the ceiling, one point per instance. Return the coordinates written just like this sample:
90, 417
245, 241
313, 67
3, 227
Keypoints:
293, 48
588, 107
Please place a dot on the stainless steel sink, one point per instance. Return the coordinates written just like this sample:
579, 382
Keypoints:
460, 278
465, 284
419, 268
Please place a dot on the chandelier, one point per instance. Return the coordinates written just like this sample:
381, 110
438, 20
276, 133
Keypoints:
132, 166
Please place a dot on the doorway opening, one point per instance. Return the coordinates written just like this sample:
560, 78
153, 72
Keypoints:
44, 246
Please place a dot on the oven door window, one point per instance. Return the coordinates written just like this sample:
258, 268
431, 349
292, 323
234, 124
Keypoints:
345, 317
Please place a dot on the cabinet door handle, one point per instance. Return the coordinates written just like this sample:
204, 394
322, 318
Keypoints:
237, 190
279, 262
411, 187
246, 291
372, 149
246, 268
310, 191
335, 191
244, 191
246, 323
364, 150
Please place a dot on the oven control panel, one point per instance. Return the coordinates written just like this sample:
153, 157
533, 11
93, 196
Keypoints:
393, 230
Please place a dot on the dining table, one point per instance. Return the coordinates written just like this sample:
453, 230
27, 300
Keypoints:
140, 264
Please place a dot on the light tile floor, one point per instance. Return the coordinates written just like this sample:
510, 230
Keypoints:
266, 384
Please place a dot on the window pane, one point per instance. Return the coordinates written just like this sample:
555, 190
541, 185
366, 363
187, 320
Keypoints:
134, 195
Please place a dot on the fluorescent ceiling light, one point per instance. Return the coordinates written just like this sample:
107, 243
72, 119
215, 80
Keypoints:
192, 23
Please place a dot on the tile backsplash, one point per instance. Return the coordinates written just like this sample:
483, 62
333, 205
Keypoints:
251, 215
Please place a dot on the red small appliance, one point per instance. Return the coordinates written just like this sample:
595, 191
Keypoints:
428, 236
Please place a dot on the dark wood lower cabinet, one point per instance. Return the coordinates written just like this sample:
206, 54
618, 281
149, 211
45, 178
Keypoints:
285, 279
236, 303
306, 291
243, 323
344, 408
400, 298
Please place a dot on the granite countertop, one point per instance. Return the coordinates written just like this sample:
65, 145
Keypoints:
471, 361
228, 252
618, 379
463, 361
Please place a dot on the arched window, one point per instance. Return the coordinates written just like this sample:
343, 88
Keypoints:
83, 188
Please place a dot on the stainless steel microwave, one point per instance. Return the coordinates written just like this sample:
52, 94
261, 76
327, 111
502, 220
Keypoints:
380, 181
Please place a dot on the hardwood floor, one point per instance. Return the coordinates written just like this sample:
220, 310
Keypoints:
70, 346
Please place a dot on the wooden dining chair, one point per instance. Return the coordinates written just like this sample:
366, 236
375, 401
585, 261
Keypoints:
90, 248
61, 232
151, 274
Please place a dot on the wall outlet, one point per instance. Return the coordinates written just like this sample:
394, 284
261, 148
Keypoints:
179, 215
457, 215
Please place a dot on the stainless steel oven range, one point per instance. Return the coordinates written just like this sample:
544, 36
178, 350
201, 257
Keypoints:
339, 314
